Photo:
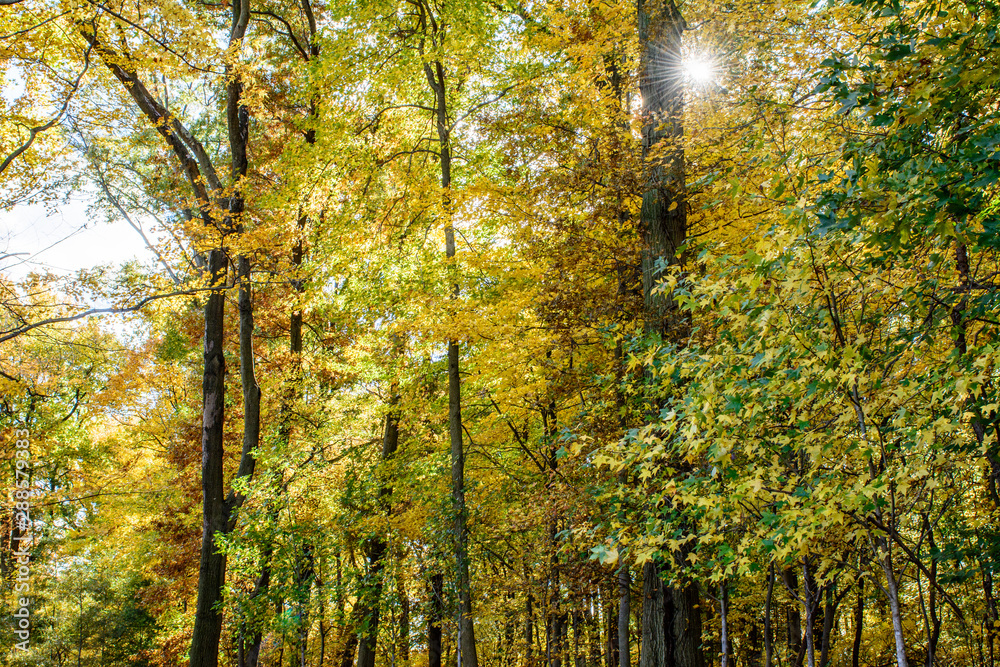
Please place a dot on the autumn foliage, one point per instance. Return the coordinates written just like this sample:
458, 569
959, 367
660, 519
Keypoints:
505, 333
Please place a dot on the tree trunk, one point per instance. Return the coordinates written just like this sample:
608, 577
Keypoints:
555, 643
347, 655
991, 611
593, 630
403, 644
375, 547
304, 572
663, 216
321, 596
859, 620
434, 620
249, 656
436, 78
829, 615
809, 608
687, 626
768, 629
216, 510
611, 624
369, 598
579, 657
724, 623
212, 565
663, 228
509, 649
892, 592
753, 648
251, 433
935, 633
657, 620
529, 625
248, 376
624, 612
208, 190
793, 613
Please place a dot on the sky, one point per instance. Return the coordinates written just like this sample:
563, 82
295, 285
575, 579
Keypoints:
64, 241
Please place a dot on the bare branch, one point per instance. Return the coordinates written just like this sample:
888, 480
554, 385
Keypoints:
479, 106
14, 333
379, 114
290, 32
134, 225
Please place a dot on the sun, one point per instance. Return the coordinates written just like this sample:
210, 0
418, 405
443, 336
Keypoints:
699, 69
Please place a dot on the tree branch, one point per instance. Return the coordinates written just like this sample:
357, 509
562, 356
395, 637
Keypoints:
189, 151
290, 32
35, 131
14, 333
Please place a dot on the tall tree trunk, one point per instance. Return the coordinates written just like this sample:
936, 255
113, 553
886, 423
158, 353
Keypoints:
347, 654
663, 216
321, 596
209, 192
829, 615
579, 657
657, 620
248, 656
935, 630
215, 507
403, 644
303, 583
509, 652
624, 613
793, 614
991, 610
687, 626
724, 623
593, 630
248, 380
436, 604
529, 626
663, 228
979, 421
435, 73
892, 592
620, 648
611, 623
556, 621
369, 601
555, 643
768, 629
375, 547
859, 620
212, 565
753, 647
810, 607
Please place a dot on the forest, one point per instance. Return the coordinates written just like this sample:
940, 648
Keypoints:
503, 333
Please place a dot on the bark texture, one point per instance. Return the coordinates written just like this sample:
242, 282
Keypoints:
212, 564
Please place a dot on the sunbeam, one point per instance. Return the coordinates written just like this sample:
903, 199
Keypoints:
699, 69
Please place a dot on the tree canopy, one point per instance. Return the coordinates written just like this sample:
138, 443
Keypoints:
504, 333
